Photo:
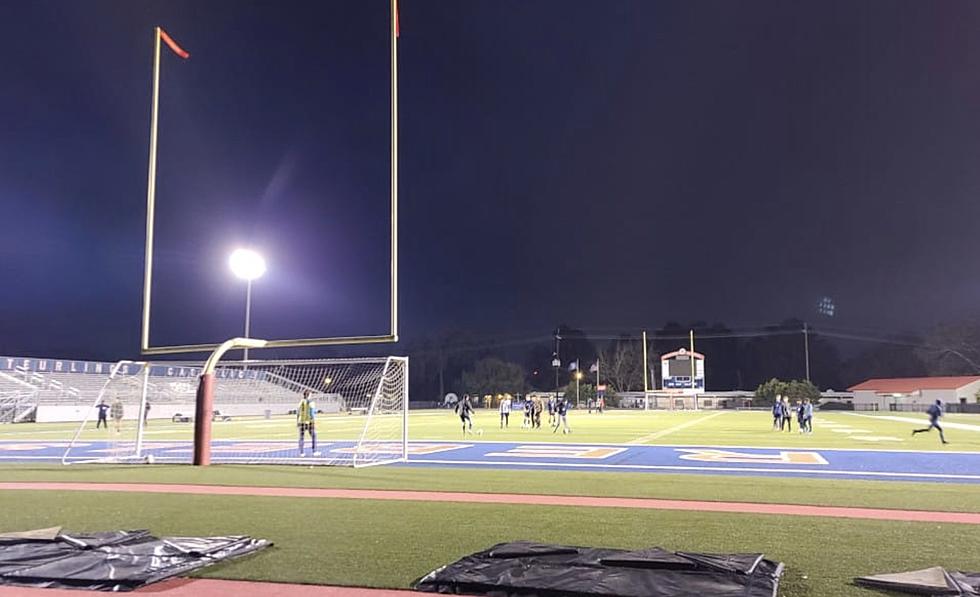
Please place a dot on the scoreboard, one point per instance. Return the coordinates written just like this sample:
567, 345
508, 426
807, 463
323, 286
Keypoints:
676, 371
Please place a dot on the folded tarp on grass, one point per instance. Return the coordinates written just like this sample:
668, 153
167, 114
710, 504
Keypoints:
110, 560
527, 568
930, 581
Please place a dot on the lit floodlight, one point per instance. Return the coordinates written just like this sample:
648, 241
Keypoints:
247, 264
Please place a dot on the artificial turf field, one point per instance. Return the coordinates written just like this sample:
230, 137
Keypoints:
389, 544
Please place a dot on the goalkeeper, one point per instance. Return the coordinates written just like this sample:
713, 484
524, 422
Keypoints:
306, 421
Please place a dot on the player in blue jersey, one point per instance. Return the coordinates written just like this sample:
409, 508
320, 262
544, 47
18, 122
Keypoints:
777, 413
103, 415
306, 421
807, 415
935, 412
562, 417
551, 411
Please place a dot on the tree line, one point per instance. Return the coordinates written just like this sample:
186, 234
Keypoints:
736, 359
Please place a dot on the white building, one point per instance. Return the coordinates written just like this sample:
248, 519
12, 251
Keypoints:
914, 393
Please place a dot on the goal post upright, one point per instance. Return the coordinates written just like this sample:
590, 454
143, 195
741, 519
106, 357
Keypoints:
204, 405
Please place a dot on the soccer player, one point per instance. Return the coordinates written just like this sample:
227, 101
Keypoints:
551, 411
536, 408
935, 413
116, 411
777, 413
600, 404
800, 416
306, 421
146, 413
464, 408
808, 415
103, 413
527, 413
787, 415
505, 412
562, 419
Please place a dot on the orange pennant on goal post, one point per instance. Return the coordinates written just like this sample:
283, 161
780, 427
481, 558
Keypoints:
172, 44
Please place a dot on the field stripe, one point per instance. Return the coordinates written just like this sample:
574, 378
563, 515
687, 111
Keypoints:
921, 421
517, 499
675, 428
699, 469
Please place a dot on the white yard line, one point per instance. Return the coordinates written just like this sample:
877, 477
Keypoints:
675, 428
702, 469
920, 421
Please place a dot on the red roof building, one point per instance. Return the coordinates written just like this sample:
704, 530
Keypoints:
914, 393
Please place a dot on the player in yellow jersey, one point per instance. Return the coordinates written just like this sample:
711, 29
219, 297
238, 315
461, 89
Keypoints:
306, 421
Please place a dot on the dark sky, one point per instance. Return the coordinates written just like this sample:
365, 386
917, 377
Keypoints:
606, 164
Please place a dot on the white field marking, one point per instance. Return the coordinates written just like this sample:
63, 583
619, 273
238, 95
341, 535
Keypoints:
675, 428
849, 430
878, 438
667, 467
920, 421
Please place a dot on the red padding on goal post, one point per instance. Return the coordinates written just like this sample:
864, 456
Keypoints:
202, 420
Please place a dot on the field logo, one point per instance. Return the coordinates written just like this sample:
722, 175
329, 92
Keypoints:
560, 451
728, 457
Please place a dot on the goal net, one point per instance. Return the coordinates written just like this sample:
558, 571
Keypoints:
264, 412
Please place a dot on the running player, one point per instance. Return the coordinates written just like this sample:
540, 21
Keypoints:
306, 421
464, 408
935, 413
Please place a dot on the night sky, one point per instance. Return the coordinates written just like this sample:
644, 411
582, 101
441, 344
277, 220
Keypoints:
604, 164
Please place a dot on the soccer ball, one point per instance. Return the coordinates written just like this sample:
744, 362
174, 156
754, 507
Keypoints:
149, 459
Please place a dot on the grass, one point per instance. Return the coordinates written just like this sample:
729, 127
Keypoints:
389, 544
385, 544
872, 494
720, 428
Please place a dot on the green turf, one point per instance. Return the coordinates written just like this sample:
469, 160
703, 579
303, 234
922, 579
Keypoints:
877, 494
376, 543
387, 544
722, 428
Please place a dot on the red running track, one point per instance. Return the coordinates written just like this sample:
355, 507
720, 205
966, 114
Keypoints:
200, 587
510, 498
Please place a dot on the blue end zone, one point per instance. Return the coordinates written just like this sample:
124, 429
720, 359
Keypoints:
941, 467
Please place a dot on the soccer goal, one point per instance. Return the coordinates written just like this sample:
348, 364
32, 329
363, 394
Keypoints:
357, 409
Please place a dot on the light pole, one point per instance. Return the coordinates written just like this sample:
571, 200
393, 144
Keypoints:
578, 378
247, 265
556, 363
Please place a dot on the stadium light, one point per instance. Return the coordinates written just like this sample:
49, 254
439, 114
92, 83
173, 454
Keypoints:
247, 265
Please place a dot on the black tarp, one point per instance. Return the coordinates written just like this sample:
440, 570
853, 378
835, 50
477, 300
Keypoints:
930, 581
525, 568
110, 560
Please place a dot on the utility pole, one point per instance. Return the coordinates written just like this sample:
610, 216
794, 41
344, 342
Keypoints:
806, 348
556, 362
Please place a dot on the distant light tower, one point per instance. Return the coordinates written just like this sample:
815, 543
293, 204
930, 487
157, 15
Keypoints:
578, 378
247, 265
556, 363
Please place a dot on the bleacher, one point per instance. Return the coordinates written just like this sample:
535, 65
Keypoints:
76, 386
